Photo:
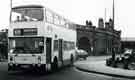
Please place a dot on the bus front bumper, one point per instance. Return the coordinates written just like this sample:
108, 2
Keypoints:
12, 66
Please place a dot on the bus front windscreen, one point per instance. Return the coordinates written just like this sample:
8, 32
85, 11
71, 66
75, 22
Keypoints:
23, 14
26, 45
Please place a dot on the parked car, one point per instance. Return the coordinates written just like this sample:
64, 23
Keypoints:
127, 56
80, 53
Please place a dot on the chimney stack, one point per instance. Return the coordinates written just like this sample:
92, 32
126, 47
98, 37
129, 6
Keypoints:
101, 23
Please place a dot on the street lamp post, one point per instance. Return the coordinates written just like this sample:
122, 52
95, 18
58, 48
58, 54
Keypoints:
113, 45
10, 9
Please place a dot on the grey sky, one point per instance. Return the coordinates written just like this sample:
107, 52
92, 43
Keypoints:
79, 11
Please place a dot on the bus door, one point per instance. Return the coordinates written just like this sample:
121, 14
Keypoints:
60, 50
48, 50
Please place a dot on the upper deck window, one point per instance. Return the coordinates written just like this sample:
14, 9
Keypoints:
27, 13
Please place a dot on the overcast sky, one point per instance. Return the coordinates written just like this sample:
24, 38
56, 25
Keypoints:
79, 11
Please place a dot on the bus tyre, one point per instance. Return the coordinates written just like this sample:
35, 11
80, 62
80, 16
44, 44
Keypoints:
71, 60
54, 65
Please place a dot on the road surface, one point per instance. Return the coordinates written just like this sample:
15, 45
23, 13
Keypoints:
67, 73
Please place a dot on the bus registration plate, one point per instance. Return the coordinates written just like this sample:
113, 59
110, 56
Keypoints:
25, 66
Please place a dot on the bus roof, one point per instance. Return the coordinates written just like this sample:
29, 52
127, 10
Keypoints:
41, 6
28, 6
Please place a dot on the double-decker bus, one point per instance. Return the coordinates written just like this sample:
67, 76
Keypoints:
39, 39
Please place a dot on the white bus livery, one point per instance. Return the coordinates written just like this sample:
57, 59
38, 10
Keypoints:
39, 39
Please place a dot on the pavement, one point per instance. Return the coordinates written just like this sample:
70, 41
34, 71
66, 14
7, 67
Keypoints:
98, 65
3, 71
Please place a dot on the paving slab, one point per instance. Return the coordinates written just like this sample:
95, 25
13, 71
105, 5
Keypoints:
101, 68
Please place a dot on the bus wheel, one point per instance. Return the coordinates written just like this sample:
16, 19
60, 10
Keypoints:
54, 65
71, 60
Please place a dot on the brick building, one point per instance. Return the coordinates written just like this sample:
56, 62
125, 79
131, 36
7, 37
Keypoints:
98, 40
